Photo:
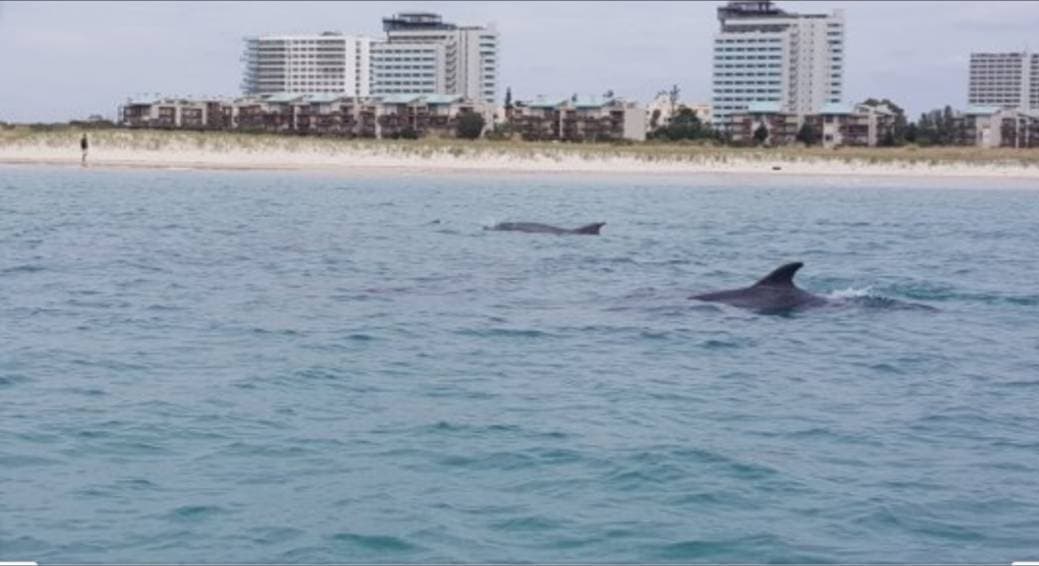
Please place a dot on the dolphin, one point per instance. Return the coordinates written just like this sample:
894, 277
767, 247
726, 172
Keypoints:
775, 292
535, 228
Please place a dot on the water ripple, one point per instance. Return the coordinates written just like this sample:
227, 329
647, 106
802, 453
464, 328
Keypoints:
245, 367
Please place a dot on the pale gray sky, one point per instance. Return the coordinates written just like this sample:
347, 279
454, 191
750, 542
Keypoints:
65, 60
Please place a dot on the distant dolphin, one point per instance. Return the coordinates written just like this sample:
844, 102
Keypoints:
535, 228
775, 292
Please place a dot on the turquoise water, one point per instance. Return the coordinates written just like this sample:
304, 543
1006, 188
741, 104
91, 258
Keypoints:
259, 367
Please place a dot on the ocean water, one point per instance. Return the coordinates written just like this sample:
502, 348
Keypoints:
259, 367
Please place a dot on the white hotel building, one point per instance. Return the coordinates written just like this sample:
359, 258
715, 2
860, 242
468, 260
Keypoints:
326, 63
1004, 80
420, 55
766, 57
422, 49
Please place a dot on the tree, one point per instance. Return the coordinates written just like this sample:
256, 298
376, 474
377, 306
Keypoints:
911, 134
654, 119
673, 98
760, 134
508, 98
946, 130
684, 125
938, 127
806, 135
470, 125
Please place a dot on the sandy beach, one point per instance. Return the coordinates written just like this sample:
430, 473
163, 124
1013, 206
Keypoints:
151, 149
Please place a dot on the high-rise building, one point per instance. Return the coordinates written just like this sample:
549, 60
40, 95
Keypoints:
421, 54
464, 62
326, 63
408, 68
1005, 80
766, 56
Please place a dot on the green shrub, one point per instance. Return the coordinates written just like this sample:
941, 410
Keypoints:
470, 125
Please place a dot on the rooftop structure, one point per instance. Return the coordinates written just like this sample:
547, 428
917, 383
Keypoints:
407, 21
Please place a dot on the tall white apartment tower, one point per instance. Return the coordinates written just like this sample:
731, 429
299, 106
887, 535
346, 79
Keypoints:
423, 54
766, 56
326, 63
1007, 80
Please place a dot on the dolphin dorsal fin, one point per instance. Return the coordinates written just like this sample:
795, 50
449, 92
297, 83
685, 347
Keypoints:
590, 229
783, 276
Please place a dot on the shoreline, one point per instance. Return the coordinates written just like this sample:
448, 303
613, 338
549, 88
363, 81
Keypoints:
120, 149
420, 165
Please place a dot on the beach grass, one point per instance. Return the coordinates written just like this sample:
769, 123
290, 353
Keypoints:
650, 151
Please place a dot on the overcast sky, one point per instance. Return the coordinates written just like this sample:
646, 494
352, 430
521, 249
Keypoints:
65, 60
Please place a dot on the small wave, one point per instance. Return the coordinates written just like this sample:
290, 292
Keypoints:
137, 484
28, 268
12, 380
274, 535
502, 461
1024, 301
865, 297
264, 451
88, 391
196, 512
527, 523
375, 542
360, 337
319, 374
25, 461
698, 550
482, 431
504, 332
716, 344
280, 332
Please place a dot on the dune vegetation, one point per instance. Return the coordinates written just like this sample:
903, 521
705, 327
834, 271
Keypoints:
56, 137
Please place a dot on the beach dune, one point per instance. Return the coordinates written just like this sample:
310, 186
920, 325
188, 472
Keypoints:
218, 150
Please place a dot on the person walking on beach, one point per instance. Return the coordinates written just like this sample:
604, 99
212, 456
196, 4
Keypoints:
84, 145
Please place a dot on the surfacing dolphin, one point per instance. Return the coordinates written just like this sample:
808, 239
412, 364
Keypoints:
535, 228
775, 292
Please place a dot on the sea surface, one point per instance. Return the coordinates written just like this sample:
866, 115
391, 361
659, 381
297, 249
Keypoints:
201, 366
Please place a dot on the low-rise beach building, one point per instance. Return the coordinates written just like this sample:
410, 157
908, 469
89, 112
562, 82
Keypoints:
992, 126
860, 125
836, 124
203, 114
579, 119
310, 114
781, 125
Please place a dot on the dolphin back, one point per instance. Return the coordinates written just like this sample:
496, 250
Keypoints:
538, 228
773, 293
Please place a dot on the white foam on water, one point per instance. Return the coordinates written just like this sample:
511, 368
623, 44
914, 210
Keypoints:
851, 293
